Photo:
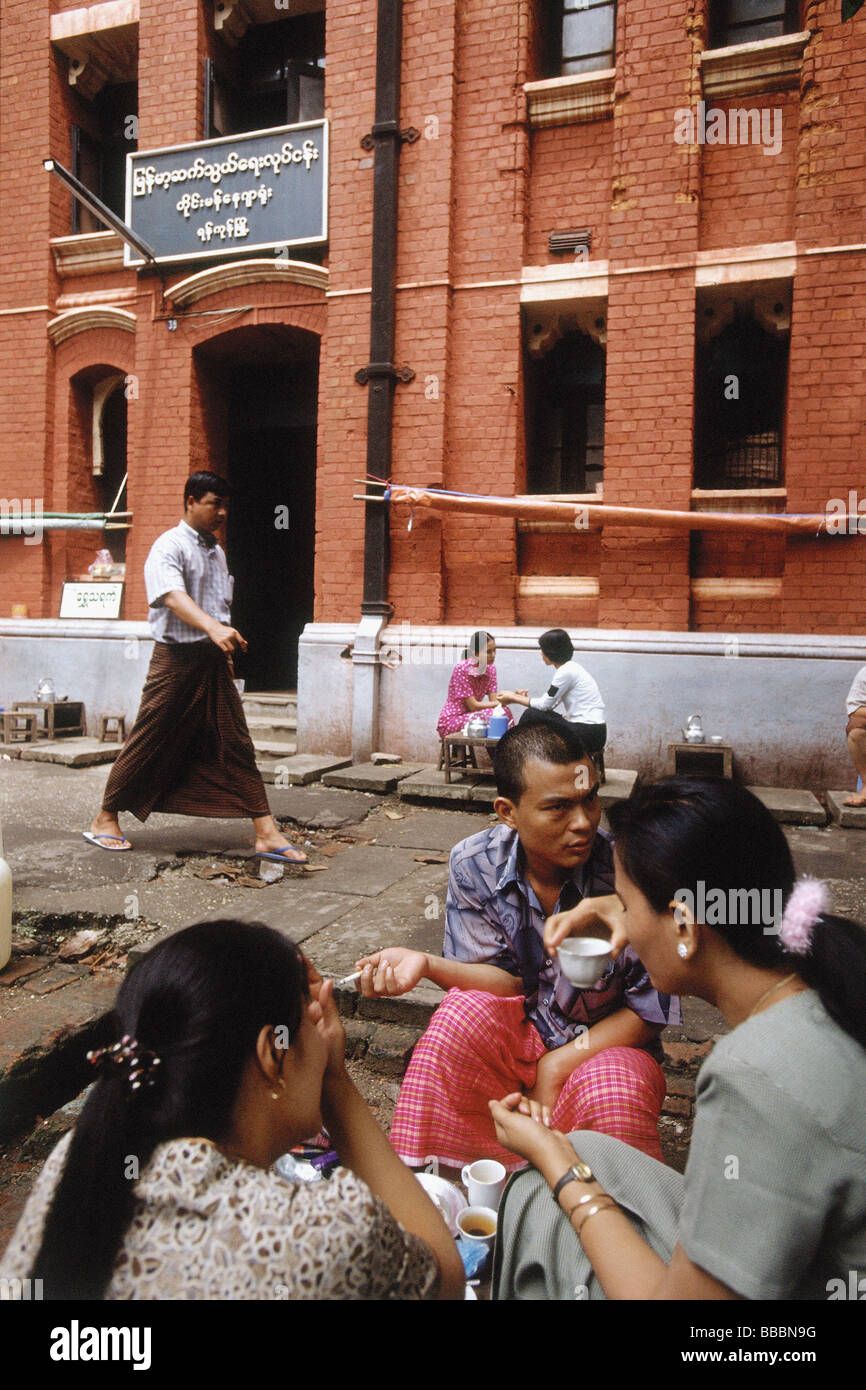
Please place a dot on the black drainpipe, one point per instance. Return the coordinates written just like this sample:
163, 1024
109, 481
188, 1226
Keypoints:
384, 139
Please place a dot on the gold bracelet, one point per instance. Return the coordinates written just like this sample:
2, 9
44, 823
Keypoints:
604, 1203
582, 1201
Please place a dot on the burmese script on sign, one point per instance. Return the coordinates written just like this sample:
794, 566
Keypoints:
261, 190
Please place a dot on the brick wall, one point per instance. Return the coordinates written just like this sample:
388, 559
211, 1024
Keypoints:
479, 195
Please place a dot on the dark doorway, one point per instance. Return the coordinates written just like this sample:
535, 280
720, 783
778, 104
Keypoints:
260, 399
271, 529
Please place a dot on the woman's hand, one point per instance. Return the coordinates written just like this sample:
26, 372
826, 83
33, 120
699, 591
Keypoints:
607, 912
324, 1014
520, 1128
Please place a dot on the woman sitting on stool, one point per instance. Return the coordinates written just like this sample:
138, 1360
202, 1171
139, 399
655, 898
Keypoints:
472, 687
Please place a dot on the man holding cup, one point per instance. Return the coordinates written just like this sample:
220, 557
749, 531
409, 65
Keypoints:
511, 1020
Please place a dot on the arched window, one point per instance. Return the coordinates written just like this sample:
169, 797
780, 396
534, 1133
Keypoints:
740, 384
565, 417
748, 21
97, 451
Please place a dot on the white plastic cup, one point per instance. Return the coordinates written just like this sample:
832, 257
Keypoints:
485, 1181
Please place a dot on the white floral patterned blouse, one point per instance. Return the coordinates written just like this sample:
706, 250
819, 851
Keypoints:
206, 1226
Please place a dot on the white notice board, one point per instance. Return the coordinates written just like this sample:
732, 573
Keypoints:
89, 600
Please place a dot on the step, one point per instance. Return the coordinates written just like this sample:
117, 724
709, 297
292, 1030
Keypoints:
429, 785
791, 807
849, 817
301, 769
272, 730
69, 752
278, 704
371, 777
617, 786
268, 749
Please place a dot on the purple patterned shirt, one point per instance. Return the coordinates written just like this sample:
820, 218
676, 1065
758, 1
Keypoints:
493, 917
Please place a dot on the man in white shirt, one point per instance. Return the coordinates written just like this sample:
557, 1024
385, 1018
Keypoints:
573, 698
190, 752
855, 729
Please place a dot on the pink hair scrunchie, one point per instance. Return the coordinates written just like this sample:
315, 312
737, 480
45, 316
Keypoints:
805, 905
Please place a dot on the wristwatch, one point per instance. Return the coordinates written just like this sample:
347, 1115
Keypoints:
578, 1172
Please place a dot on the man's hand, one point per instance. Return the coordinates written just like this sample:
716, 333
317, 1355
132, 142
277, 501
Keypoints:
389, 972
549, 1081
607, 912
226, 638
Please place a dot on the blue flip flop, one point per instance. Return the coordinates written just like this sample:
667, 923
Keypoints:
280, 856
95, 839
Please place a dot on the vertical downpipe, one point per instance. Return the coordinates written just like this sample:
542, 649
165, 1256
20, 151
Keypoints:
375, 609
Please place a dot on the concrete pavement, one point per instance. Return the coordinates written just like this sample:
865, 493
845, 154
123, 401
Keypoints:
377, 877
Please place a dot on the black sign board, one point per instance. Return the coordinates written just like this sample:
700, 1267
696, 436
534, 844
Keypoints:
220, 197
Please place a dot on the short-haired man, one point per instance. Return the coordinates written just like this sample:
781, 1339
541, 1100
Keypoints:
511, 1021
190, 751
573, 696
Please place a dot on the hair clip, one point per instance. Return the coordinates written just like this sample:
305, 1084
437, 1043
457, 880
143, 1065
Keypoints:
803, 909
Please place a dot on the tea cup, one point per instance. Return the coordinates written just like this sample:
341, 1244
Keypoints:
477, 1225
584, 959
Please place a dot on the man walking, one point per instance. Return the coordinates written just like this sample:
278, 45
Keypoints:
190, 751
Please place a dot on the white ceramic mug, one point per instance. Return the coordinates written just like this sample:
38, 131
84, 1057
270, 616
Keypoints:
485, 1181
477, 1225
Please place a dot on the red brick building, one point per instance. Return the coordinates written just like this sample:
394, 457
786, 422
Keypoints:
630, 265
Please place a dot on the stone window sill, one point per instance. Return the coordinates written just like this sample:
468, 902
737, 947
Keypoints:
560, 586
572, 100
91, 253
741, 499
771, 65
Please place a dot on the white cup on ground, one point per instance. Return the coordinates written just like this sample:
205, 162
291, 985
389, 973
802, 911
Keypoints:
485, 1181
584, 959
477, 1225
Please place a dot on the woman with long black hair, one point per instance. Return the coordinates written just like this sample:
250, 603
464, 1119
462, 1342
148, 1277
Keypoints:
773, 1200
228, 1051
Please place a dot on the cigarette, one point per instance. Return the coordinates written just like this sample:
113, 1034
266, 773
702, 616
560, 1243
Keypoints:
349, 979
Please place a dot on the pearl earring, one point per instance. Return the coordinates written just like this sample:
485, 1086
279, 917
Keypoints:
682, 950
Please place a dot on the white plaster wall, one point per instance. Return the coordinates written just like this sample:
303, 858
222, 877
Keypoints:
779, 700
104, 664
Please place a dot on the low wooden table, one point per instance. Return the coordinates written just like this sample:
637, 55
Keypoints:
705, 759
61, 716
468, 743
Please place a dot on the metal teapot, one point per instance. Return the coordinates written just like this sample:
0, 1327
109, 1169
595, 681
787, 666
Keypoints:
475, 727
45, 692
694, 731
